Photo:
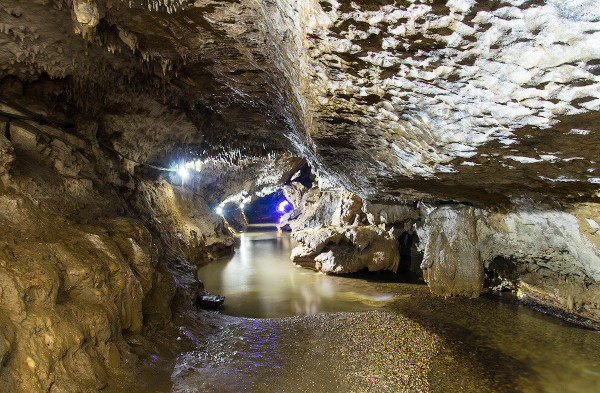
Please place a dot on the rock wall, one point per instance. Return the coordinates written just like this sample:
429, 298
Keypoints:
478, 104
346, 249
549, 258
70, 295
552, 258
192, 228
451, 264
94, 258
313, 207
339, 233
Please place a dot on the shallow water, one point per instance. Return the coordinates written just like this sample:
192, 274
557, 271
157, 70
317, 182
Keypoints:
489, 344
259, 280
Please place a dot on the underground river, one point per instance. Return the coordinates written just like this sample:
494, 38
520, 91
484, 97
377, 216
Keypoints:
303, 331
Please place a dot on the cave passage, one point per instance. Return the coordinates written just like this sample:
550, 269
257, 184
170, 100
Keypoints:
260, 281
393, 196
266, 209
488, 344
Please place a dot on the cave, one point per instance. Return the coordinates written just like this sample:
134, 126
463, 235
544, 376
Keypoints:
266, 209
299, 196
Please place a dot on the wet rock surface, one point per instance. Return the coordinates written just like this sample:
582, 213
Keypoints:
451, 264
82, 281
466, 130
557, 253
460, 100
346, 250
71, 300
193, 229
549, 258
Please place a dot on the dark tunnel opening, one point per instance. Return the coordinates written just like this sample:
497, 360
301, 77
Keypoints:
267, 209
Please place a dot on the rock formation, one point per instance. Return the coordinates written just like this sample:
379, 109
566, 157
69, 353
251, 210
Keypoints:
346, 250
549, 258
80, 277
451, 263
552, 257
466, 130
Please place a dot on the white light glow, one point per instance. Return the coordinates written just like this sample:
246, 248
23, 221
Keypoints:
219, 210
242, 205
283, 206
183, 173
183, 168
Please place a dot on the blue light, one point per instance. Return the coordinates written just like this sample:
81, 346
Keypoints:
283, 207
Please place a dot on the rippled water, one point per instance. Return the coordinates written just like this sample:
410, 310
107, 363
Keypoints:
489, 344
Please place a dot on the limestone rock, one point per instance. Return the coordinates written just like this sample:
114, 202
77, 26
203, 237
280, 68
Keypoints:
451, 263
191, 225
86, 15
235, 218
551, 257
304, 256
79, 276
86, 12
293, 193
7, 155
349, 210
390, 101
68, 297
377, 214
487, 111
346, 249
315, 207
6, 339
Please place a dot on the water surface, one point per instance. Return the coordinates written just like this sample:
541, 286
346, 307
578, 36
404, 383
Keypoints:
489, 344
259, 280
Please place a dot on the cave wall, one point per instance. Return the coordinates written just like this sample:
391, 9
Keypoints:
451, 263
192, 228
339, 233
548, 257
552, 257
470, 125
95, 257
422, 100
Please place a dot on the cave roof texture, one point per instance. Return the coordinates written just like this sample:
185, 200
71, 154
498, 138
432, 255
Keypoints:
484, 102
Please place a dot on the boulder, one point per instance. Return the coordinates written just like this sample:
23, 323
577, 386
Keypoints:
346, 249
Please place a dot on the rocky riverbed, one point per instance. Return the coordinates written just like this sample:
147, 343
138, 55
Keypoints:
416, 342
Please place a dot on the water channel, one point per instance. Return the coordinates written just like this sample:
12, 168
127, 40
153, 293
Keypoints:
369, 333
260, 281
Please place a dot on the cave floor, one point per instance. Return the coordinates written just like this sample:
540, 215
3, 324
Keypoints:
408, 340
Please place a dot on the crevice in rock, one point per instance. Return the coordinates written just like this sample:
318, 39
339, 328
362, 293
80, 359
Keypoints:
410, 256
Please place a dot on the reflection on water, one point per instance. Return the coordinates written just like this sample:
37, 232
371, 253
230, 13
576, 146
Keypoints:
488, 344
260, 281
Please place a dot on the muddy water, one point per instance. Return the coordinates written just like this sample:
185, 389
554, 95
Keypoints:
389, 337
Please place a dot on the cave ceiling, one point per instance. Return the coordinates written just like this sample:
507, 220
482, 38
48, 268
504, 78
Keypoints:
488, 102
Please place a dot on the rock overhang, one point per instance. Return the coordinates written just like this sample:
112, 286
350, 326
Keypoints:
480, 102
